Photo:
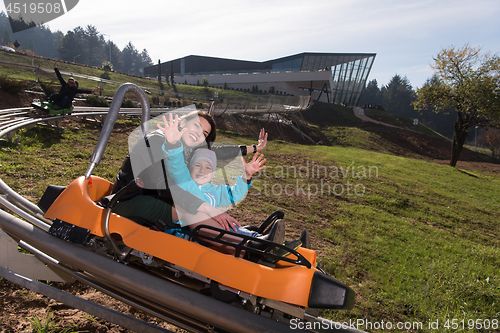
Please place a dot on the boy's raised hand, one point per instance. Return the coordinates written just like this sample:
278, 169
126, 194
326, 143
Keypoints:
256, 164
171, 129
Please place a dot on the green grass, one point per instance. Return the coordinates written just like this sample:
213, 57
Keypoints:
48, 325
421, 242
46, 156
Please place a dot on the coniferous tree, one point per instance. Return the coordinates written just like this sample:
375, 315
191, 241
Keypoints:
398, 96
70, 47
371, 95
94, 43
130, 57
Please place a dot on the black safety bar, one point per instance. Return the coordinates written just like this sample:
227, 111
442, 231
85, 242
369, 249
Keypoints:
196, 235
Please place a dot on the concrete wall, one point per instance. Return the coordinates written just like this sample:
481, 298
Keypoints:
286, 82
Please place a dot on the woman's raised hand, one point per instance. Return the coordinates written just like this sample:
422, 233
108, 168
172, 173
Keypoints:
171, 129
262, 139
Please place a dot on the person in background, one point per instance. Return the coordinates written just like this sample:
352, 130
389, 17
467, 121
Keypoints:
64, 98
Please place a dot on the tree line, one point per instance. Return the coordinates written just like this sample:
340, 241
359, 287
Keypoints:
83, 45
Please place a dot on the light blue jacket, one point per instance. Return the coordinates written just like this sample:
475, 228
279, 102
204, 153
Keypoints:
215, 195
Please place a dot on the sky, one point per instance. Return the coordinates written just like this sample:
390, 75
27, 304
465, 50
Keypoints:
405, 34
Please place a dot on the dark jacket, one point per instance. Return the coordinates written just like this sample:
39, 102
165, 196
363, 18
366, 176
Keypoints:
66, 90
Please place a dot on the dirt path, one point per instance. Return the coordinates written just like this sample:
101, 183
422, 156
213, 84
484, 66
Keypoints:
360, 113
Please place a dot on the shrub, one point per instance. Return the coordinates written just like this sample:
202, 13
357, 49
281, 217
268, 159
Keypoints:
12, 86
128, 104
166, 99
94, 100
205, 82
105, 76
155, 99
107, 66
48, 88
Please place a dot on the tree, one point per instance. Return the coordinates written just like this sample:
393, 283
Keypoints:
398, 96
493, 139
6, 37
40, 40
116, 57
371, 94
130, 57
145, 61
468, 82
205, 82
94, 43
172, 75
74, 46
70, 47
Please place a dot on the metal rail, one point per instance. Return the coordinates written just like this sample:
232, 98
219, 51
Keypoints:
187, 303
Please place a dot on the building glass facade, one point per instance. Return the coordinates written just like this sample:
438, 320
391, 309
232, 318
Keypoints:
349, 70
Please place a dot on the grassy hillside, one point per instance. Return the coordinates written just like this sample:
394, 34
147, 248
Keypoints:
401, 137
417, 241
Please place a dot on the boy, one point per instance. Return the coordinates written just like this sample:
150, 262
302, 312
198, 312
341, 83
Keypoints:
197, 179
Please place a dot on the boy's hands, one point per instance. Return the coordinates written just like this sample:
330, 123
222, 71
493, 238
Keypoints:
256, 164
171, 129
224, 219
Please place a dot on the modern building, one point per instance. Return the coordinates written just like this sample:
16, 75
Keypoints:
327, 77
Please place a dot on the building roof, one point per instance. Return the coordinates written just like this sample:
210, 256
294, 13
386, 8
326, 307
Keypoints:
332, 77
307, 61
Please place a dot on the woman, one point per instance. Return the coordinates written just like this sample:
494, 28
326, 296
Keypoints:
155, 202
